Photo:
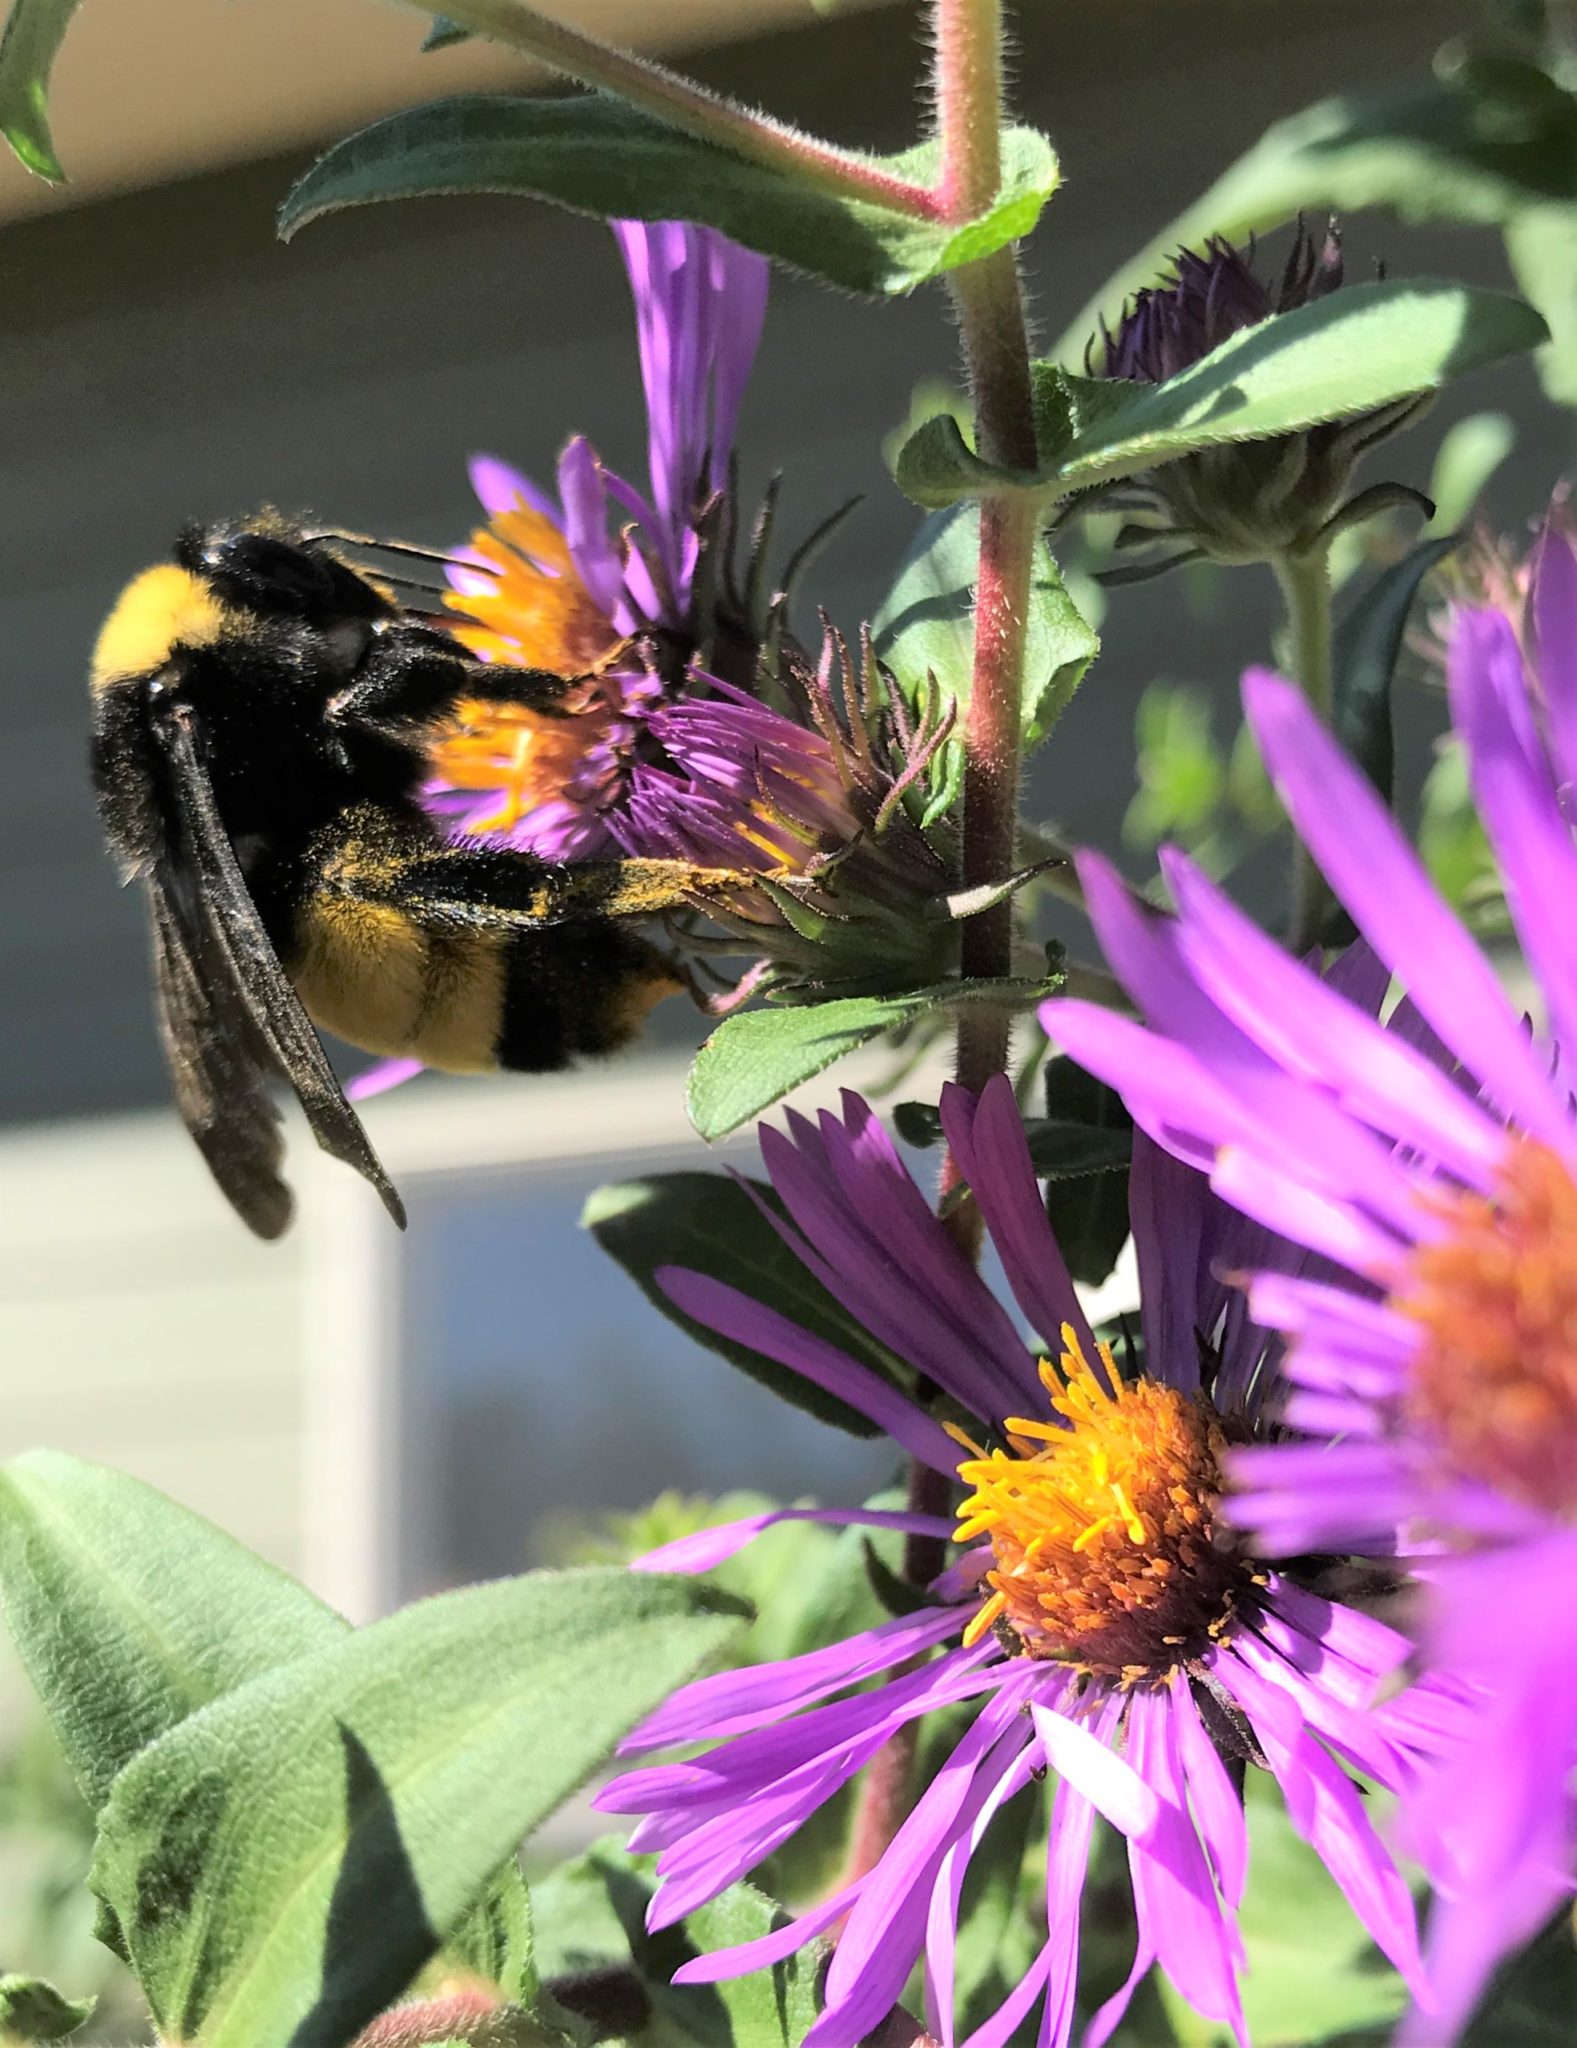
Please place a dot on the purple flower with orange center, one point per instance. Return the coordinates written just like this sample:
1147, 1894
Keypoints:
1431, 1163
1102, 1620
614, 588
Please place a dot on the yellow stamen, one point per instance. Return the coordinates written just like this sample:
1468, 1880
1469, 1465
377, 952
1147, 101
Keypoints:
1495, 1378
1102, 1523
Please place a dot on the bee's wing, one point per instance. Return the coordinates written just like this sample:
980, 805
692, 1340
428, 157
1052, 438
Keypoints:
217, 1064
238, 968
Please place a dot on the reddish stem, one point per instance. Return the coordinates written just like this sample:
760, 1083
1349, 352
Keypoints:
691, 107
969, 105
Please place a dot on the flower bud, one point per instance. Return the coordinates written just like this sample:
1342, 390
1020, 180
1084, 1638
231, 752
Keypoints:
1247, 501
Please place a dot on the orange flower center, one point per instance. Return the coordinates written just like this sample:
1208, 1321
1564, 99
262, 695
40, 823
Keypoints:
534, 613
1496, 1376
1108, 1551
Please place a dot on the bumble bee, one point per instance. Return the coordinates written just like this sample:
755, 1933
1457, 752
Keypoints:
261, 718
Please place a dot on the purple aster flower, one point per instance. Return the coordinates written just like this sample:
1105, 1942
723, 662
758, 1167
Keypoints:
1101, 1620
1430, 1163
1254, 500
606, 583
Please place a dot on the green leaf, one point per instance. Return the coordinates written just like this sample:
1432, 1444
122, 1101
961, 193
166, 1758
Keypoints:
709, 1223
1352, 352
284, 1862
752, 1060
1541, 243
596, 155
1088, 1215
925, 628
33, 34
131, 1613
1479, 141
33, 2010
997, 1936
1363, 660
594, 1919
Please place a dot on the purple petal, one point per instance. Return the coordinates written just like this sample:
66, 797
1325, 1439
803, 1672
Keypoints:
707, 1548
592, 549
1067, 1861
768, 1949
1216, 1801
735, 1316
884, 1932
986, 1137
500, 487
1114, 1788
1312, 1031
1181, 1916
729, 1702
1553, 610
1324, 1807
379, 1079
1516, 797
1380, 879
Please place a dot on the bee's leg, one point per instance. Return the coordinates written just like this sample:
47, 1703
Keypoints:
416, 675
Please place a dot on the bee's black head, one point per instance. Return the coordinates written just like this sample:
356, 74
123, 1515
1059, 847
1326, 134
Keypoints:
271, 567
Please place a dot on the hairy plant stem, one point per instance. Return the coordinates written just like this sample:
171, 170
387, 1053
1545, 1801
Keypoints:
690, 107
1305, 581
995, 343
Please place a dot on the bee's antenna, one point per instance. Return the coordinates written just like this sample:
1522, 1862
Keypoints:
404, 547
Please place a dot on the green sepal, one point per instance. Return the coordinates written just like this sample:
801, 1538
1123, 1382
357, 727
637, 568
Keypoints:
709, 1223
34, 31
924, 631
31, 2009
1354, 351
284, 1862
597, 155
1364, 653
752, 1060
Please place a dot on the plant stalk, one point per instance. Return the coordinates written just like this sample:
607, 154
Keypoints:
691, 107
1305, 581
995, 342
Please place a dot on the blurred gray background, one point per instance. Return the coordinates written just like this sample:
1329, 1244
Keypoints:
163, 357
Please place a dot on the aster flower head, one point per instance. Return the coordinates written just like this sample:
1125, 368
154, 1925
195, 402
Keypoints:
1431, 1164
615, 587
1253, 500
1098, 1616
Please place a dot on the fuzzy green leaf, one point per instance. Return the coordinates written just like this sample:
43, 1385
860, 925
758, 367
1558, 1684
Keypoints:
752, 1060
34, 31
284, 1862
1479, 141
131, 1613
709, 1223
596, 155
33, 2010
925, 628
1360, 348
